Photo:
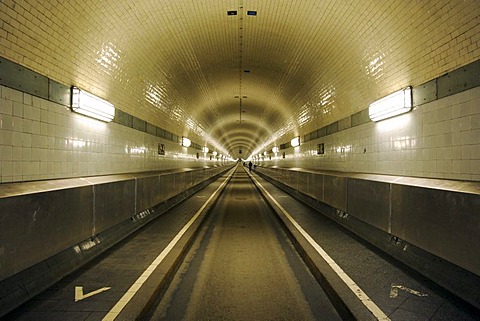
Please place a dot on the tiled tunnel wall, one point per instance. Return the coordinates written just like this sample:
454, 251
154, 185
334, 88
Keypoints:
354, 52
440, 139
40, 139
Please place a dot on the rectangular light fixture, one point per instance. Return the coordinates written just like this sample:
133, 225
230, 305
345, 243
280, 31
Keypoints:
392, 105
186, 142
92, 106
295, 141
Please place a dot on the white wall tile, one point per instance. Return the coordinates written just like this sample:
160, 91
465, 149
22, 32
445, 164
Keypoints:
6, 122
17, 155
6, 153
16, 96
27, 126
475, 167
6, 137
17, 124
18, 109
6, 107
440, 140
45, 140
7, 168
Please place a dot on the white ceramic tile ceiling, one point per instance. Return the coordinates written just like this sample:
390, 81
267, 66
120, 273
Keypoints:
241, 81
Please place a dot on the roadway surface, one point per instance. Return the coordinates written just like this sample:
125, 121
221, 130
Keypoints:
241, 266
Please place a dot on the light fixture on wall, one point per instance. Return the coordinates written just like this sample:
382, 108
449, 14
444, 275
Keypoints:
295, 141
214, 153
392, 105
90, 105
275, 149
265, 153
186, 142
205, 149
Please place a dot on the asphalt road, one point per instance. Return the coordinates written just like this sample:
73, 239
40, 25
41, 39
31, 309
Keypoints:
243, 267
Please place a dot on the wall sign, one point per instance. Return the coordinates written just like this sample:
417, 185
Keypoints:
320, 149
161, 149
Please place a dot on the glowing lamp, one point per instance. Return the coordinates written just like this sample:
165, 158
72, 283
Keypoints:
399, 102
295, 141
92, 106
186, 142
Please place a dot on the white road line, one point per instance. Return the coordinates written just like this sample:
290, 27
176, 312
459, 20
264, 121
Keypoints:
80, 296
362, 296
395, 288
115, 311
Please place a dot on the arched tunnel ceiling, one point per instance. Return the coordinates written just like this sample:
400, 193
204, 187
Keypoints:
189, 67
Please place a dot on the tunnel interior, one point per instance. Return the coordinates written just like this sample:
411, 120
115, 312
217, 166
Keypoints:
195, 86
239, 84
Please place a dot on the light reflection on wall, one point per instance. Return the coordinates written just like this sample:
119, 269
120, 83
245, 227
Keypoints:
404, 142
374, 69
392, 124
76, 143
304, 117
154, 96
108, 57
327, 101
289, 126
190, 124
323, 103
137, 150
343, 149
89, 124
311, 111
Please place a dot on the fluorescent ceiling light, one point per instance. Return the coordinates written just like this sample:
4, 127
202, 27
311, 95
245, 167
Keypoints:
295, 141
392, 105
186, 142
205, 149
92, 106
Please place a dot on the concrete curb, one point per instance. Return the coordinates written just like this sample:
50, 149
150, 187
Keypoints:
345, 301
144, 302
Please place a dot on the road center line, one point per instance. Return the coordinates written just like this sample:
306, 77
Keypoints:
115, 311
362, 296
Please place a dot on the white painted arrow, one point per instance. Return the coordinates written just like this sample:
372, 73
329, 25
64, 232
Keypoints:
80, 296
395, 288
